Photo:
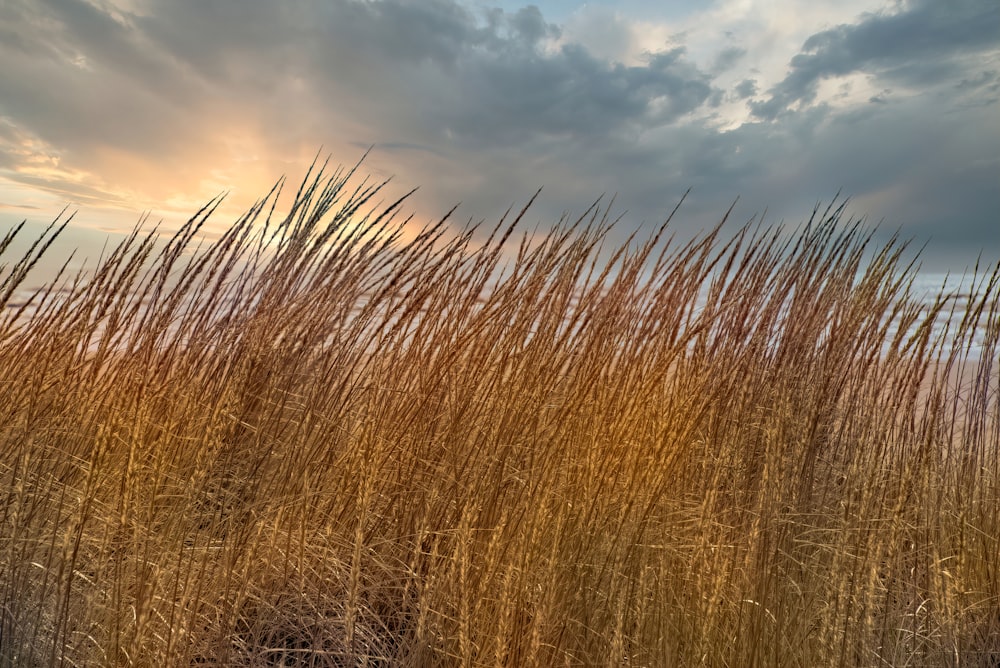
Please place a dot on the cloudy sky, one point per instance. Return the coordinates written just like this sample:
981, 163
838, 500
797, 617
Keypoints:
115, 107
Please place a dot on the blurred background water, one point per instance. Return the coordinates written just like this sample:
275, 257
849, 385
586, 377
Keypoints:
928, 288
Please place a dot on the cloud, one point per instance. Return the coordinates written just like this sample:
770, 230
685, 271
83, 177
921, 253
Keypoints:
568, 95
727, 58
502, 79
922, 44
173, 101
746, 88
183, 77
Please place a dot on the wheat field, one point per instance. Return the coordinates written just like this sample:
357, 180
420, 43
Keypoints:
323, 439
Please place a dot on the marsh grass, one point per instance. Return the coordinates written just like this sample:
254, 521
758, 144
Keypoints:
325, 441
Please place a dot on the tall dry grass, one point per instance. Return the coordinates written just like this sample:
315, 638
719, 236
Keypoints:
322, 441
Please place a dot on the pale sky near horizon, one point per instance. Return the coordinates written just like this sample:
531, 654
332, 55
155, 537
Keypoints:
114, 107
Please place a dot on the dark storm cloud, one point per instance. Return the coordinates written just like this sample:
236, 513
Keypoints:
566, 95
484, 107
478, 79
78, 78
484, 83
919, 166
921, 45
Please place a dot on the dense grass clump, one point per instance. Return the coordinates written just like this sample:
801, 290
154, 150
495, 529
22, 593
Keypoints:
329, 441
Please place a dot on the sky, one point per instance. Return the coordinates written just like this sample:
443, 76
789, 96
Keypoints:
118, 107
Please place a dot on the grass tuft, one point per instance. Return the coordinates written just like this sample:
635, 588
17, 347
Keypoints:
324, 440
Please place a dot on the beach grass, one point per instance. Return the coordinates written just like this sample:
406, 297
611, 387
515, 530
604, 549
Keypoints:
324, 439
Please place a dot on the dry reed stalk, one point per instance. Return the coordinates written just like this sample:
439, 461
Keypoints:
327, 440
